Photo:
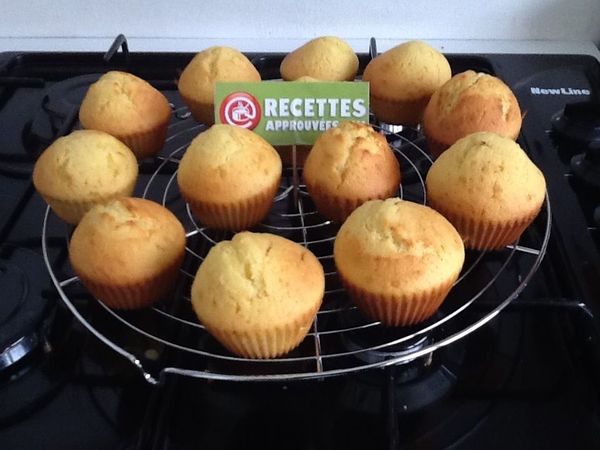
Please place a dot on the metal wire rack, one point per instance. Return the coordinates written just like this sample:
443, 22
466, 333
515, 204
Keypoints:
168, 339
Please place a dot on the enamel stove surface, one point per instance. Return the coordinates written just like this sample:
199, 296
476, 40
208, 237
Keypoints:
529, 379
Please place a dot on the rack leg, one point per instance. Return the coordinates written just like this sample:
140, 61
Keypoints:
389, 407
295, 176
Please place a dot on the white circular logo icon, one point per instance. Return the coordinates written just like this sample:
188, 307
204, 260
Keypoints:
240, 109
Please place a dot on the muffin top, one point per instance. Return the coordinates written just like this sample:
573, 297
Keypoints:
214, 64
471, 102
307, 79
121, 103
409, 72
85, 165
227, 164
257, 281
326, 58
352, 160
126, 240
487, 176
396, 246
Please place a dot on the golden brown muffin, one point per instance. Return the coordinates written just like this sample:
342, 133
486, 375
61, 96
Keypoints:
83, 169
347, 166
398, 260
198, 79
127, 252
258, 294
326, 58
229, 176
128, 108
467, 103
403, 79
488, 188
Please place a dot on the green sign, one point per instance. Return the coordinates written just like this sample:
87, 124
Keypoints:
291, 112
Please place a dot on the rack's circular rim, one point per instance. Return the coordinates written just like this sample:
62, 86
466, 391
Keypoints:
409, 356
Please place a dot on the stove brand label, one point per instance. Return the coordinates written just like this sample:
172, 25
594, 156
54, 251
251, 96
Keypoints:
291, 112
559, 91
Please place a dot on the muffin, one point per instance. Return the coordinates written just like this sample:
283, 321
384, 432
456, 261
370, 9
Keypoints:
127, 252
398, 260
198, 79
467, 103
229, 176
83, 169
347, 166
325, 58
128, 108
258, 294
403, 79
488, 188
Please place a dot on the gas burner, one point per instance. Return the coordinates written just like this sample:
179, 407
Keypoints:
411, 386
395, 351
25, 313
579, 122
58, 112
596, 215
371, 337
7, 204
586, 166
415, 382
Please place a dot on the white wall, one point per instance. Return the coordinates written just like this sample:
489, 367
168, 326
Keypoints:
430, 19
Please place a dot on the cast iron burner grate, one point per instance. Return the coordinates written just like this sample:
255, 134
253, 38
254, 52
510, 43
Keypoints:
488, 283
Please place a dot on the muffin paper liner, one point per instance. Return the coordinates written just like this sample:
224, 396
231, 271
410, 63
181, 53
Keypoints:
399, 309
398, 112
148, 143
134, 295
73, 211
338, 208
234, 216
268, 342
435, 147
480, 235
201, 112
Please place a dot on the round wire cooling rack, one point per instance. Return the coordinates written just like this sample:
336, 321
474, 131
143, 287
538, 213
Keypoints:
168, 339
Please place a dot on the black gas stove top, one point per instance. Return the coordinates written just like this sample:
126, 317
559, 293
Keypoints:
530, 378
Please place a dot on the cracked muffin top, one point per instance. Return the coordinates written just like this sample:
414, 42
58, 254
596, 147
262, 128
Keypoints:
257, 281
393, 247
125, 242
351, 162
84, 168
485, 176
470, 102
403, 79
214, 64
121, 103
227, 163
324, 58
198, 80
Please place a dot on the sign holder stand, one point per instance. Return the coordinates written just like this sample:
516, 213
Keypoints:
295, 176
